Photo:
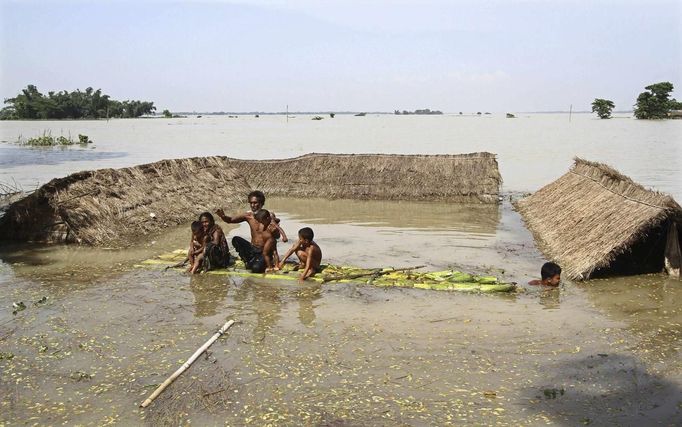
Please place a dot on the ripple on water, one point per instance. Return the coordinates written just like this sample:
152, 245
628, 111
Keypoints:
25, 156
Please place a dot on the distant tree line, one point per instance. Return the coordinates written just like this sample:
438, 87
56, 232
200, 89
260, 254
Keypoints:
91, 104
655, 103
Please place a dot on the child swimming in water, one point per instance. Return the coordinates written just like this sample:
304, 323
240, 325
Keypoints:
550, 274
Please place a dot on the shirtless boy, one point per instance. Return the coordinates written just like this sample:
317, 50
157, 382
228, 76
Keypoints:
308, 252
550, 274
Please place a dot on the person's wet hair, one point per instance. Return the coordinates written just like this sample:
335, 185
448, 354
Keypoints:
262, 215
549, 269
259, 195
208, 216
196, 227
306, 233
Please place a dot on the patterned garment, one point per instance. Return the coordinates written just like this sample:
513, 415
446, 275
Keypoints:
216, 256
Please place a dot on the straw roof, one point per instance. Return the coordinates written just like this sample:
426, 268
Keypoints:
116, 206
456, 178
588, 217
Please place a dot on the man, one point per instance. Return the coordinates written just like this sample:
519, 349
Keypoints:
251, 252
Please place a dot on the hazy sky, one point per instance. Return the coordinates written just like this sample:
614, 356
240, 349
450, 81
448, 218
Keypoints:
477, 55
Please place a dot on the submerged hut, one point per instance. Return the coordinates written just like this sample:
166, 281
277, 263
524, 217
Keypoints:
116, 206
460, 178
595, 221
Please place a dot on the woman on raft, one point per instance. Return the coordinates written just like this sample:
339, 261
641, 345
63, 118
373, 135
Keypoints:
216, 252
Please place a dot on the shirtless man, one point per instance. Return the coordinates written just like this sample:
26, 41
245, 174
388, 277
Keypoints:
252, 253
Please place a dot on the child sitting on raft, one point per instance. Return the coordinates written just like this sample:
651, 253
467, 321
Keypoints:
195, 254
308, 252
550, 274
277, 233
267, 238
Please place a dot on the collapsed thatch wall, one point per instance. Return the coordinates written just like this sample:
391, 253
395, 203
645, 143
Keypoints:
114, 206
592, 215
457, 178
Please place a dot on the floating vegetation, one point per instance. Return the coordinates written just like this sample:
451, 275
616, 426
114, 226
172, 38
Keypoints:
47, 140
18, 306
448, 280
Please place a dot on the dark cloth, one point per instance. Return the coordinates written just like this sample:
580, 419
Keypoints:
250, 254
216, 256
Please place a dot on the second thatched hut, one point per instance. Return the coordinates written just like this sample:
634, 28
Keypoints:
594, 221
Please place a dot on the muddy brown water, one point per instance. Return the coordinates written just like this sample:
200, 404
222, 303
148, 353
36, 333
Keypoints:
604, 352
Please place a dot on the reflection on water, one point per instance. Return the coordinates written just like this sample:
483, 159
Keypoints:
649, 304
41, 156
209, 294
306, 298
439, 217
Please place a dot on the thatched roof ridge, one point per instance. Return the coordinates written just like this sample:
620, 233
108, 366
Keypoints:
591, 215
472, 177
114, 206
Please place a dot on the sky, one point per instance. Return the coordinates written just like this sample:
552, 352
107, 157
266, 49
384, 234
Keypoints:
239, 56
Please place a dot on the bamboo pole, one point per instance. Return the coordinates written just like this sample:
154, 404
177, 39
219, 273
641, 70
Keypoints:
187, 364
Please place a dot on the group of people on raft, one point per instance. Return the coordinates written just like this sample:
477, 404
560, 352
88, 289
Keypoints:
209, 250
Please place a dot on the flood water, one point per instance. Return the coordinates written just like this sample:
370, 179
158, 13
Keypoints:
603, 352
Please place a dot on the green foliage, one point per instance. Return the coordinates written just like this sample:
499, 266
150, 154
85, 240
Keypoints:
91, 104
602, 107
47, 140
83, 139
656, 102
167, 114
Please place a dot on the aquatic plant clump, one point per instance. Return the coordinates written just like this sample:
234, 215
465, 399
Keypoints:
47, 140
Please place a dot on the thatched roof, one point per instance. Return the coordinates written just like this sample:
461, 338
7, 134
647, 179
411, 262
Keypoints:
456, 178
116, 206
592, 215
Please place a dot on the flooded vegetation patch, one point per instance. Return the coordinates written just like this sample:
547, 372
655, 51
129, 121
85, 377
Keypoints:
47, 140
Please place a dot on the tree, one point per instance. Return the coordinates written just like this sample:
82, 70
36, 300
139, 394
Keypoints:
602, 107
656, 104
91, 104
167, 114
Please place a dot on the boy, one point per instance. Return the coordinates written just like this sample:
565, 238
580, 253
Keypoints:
266, 238
551, 275
308, 252
195, 254
277, 233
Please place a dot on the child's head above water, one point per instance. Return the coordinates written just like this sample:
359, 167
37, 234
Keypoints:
306, 233
550, 273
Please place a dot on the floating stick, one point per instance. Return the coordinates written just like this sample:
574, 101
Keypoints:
187, 364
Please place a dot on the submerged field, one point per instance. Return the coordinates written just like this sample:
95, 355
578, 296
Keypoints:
98, 335
602, 352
